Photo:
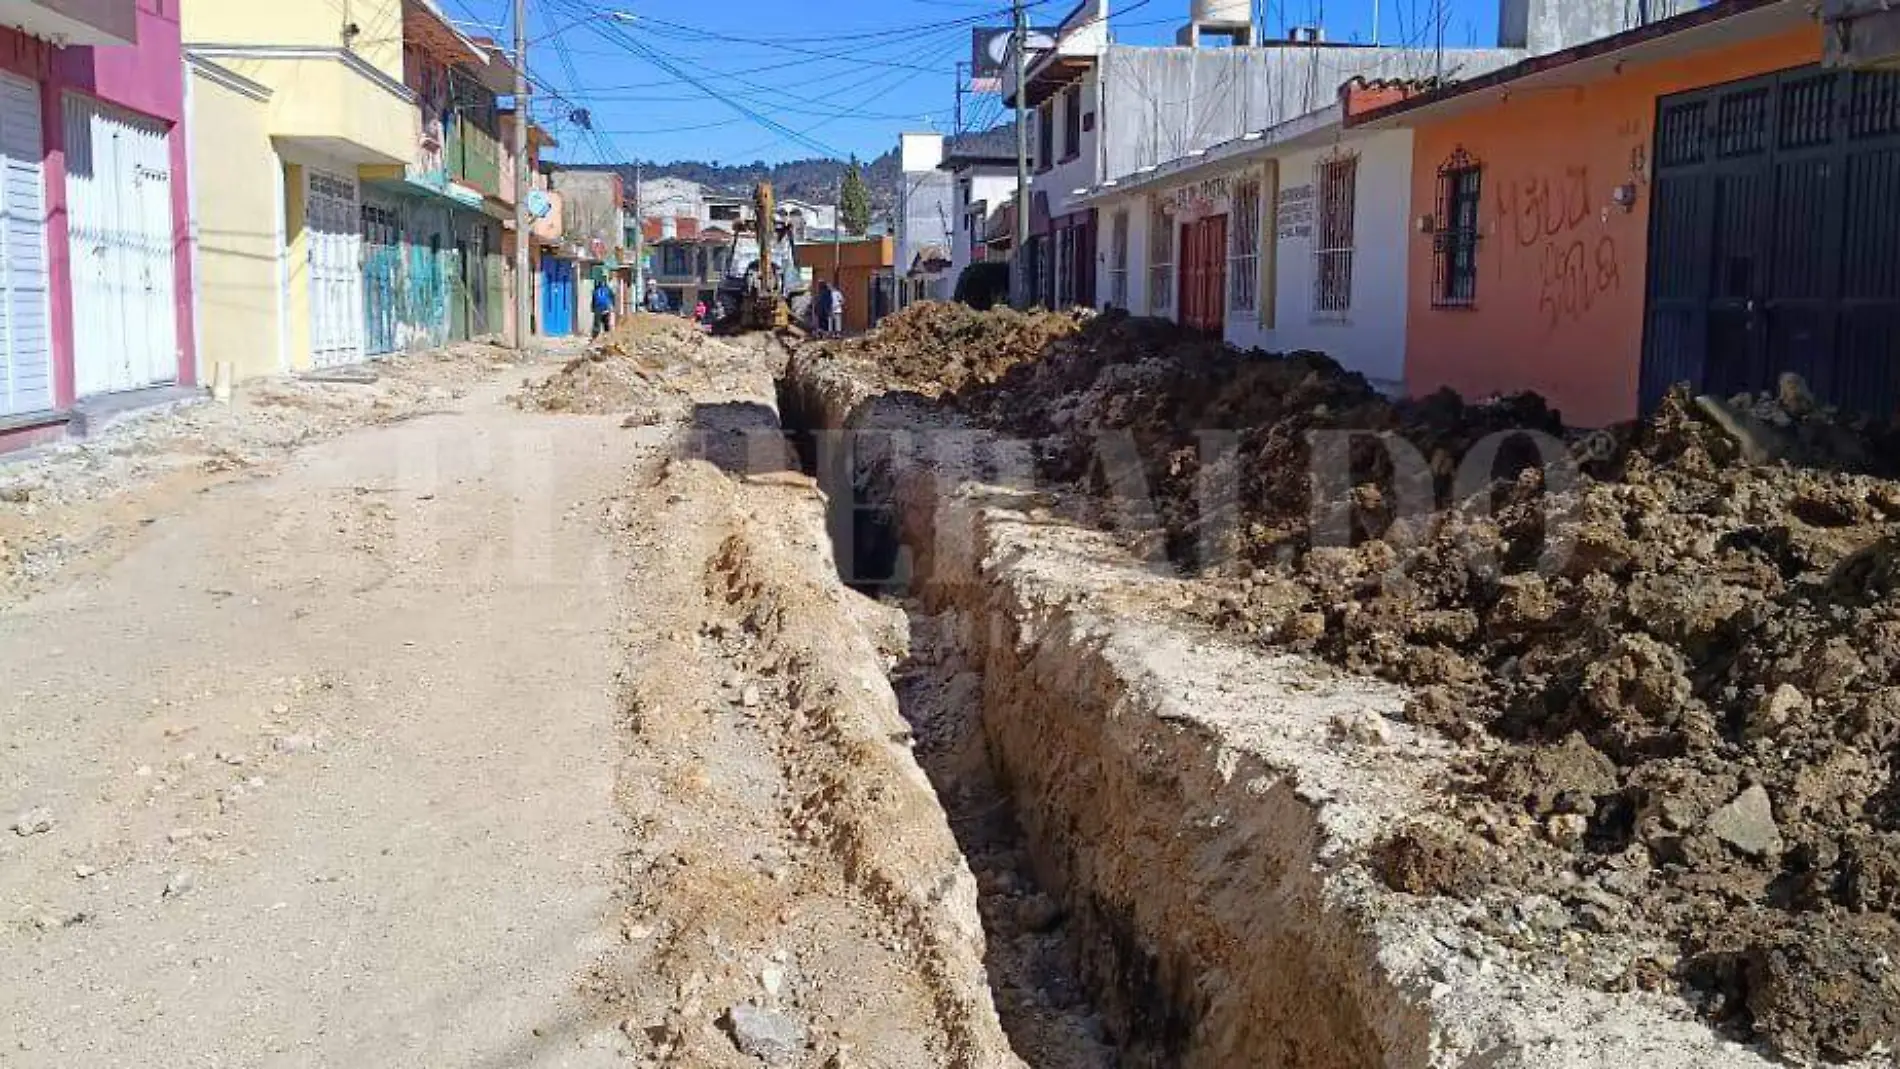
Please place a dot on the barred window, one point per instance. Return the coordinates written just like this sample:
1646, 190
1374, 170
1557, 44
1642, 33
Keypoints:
1455, 233
1065, 267
1335, 189
1118, 260
1243, 249
1160, 260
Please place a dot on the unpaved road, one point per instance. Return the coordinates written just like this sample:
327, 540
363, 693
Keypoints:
367, 708
490, 739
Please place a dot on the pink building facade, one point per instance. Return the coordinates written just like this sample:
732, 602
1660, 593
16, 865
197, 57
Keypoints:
113, 213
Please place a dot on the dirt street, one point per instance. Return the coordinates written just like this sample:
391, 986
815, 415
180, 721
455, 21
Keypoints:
489, 738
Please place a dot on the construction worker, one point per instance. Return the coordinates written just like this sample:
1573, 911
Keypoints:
836, 310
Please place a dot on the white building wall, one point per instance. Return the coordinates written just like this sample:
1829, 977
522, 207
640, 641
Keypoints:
988, 187
1083, 171
1369, 337
1160, 104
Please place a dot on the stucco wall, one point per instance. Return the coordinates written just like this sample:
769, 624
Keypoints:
1370, 336
237, 229
1062, 180
992, 189
314, 23
1162, 103
1561, 270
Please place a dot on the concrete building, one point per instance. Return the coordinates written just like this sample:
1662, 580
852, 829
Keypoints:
594, 220
433, 244
94, 259
859, 268
1282, 241
1588, 229
980, 186
1103, 112
291, 101
925, 220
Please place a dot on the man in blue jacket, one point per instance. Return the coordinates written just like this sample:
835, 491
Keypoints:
603, 309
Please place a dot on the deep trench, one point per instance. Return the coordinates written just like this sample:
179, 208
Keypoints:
1036, 953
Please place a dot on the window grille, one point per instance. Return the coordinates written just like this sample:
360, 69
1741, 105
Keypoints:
1243, 249
1160, 260
1335, 187
1455, 233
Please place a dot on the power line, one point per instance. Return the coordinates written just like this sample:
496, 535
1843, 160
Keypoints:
640, 49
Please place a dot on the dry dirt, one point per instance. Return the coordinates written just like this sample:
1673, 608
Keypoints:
1679, 733
489, 738
71, 504
649, 370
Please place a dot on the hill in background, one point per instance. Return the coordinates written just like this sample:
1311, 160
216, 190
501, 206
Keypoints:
814, 180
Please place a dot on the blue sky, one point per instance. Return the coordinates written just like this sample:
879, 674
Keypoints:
822, 77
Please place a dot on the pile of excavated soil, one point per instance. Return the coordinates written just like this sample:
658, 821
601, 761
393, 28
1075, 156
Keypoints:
648, 369
937, 348
1676, 670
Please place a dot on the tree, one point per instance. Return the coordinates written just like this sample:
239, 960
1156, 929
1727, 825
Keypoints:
854, 200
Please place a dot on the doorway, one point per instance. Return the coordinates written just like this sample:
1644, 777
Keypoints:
1774, 244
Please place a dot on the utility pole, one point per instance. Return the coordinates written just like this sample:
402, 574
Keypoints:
639, 243
957, 130
1019, 260
524, 285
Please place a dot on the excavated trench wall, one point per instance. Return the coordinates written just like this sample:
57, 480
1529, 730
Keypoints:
1195, 806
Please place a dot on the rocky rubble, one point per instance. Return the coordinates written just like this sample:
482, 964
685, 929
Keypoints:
1673, 658
648, 369
937, 348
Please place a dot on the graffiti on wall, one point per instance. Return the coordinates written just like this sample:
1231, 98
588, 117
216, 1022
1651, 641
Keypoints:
1544, 213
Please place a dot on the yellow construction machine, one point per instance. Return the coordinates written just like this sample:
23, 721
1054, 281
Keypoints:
757, 296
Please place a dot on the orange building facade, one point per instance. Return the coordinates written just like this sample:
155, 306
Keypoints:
1556, 157
853, 266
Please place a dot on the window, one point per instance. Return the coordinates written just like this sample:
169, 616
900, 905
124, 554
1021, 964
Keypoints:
1243, 248
1335, 185
1071, 123
1046, 135
676, 261
1455, 235
1118, 260
1160, 259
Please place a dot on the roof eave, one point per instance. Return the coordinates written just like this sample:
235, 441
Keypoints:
1658, 39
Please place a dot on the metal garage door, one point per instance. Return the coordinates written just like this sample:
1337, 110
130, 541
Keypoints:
26, 366
336, 268
119, 187
1774, 239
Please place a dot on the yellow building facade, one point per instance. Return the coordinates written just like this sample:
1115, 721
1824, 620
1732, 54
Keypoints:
292, 103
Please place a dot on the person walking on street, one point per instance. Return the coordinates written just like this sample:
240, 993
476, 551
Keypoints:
837, 312
603, 309
821, 309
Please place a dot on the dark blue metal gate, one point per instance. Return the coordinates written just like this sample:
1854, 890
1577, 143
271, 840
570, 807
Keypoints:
1774, 238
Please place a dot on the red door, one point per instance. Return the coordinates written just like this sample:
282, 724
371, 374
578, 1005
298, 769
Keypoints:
1204, 275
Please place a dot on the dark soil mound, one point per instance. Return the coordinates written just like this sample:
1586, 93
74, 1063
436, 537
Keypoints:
1675, 647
